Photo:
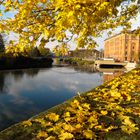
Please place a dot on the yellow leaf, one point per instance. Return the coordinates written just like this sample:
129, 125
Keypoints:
42, 134
78, 126
104, 112
53, 117
51, 138
85, 105
27, 123
78, 6
68, 127
65, 135
67, 114
129, 129
88, 134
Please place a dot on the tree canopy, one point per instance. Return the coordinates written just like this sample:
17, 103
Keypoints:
63, 20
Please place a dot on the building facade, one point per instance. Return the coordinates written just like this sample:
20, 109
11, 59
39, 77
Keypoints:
123, 47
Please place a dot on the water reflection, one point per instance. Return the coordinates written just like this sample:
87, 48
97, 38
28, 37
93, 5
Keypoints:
5, 77
110, 74
24, 93
88, 69
2, 78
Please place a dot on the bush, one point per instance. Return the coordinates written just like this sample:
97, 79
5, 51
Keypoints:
19, 62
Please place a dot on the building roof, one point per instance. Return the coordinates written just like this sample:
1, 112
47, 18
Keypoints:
84, 49
129, 32
112, 36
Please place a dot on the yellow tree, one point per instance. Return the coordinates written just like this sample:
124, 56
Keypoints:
61, 50
62, 19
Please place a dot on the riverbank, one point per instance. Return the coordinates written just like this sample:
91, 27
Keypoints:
110, 111
78, 62
81, 64
21, 62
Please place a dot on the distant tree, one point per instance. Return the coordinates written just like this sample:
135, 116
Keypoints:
35, 52
1, 43
61, 50
44, 51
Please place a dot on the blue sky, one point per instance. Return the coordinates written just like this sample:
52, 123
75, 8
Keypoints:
7, 14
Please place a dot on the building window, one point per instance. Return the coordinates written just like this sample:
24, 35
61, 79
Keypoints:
133, 37
127, 36
133, 46
126, 46
125, 58
126, 43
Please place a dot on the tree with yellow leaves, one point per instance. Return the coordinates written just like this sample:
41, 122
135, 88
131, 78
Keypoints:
63, 20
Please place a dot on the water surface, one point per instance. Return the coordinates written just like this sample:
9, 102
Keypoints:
24, 93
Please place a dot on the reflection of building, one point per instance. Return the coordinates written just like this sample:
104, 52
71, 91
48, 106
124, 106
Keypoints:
123, 47
110, 76
88, 54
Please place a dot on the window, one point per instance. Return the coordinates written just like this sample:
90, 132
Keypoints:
127, 36
133, 37
126, 47
126, 42
125, 58
133, 46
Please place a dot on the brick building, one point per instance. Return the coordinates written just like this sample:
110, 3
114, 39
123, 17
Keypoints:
123, 47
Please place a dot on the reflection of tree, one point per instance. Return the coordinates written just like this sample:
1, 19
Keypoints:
31, 72
2, 81
18, 74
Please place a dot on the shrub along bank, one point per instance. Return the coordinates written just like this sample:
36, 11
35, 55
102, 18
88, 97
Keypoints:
20, 62
108, 112
78, 61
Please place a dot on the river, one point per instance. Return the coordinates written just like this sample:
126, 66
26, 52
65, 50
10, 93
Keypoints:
25, 93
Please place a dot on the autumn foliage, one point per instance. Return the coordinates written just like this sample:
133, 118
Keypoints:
63, 20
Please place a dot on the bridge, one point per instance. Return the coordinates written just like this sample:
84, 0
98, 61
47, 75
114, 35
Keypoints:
109, 63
